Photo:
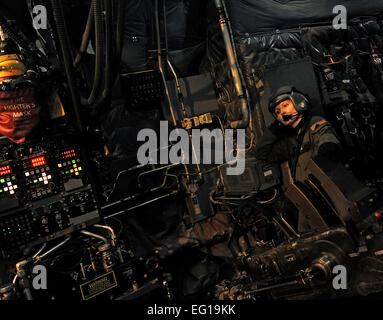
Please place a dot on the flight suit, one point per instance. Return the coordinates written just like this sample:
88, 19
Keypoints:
279, 144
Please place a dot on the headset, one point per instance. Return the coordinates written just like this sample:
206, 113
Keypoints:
300, 101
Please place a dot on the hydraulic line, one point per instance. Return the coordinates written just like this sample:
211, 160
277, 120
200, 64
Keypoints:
20, 266
41, 250
159, 56
120, 31
99, 42
181, 100
55, 248
179, 91
114, 240
108, 51
173, 193
67, 60
85, 37
94, 235
234, 68
160, 63
107, 228
112, 53
34, 256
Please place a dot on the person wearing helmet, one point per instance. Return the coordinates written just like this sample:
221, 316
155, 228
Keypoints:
296, 135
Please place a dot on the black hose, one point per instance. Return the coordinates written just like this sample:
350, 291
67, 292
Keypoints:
85, 37
58, 15
120, 30
108, 52
111, 69
114, 42
98, 23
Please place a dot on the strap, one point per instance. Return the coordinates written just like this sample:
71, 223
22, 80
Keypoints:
301, 136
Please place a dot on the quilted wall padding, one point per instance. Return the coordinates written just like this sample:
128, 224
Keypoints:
255, 16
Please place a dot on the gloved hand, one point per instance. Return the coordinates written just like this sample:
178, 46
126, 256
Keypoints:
331, 151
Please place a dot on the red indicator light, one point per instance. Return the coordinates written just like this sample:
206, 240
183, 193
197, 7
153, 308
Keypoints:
37, 162
68, 154
5, 170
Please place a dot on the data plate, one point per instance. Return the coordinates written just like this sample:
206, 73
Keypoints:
98, 285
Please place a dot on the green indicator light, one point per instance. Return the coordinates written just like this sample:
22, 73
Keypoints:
66, 172
35, 181
2, 180
73, 161
1, 190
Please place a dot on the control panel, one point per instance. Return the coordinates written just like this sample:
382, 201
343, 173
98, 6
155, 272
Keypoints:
38, 177
45, 193
8, 185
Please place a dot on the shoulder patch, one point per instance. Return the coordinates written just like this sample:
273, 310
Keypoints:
317, 124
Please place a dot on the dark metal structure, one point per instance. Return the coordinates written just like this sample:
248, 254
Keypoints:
75, 199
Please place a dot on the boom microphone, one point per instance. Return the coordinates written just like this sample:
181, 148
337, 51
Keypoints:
287, 117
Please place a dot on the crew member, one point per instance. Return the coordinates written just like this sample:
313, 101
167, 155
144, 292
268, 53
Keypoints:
296, 136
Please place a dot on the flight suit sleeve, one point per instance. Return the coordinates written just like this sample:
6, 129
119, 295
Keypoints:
272, 146
325, 139
323, 133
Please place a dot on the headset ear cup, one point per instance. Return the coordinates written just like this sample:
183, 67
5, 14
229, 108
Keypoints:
301, 103
299, 100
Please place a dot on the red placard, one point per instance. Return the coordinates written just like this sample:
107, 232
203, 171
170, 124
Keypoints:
19, 113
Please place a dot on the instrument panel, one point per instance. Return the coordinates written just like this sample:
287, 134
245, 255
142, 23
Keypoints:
45, 193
